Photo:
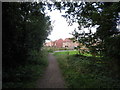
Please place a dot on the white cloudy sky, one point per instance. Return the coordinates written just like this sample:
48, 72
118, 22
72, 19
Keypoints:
60, 26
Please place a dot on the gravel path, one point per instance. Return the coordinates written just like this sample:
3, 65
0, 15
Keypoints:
52, 77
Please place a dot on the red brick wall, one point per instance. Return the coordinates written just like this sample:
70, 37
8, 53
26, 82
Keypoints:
59, 43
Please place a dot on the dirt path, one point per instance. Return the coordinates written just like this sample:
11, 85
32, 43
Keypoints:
52, 77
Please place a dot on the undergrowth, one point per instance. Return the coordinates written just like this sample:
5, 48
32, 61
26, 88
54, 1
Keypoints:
87, 72
25, 76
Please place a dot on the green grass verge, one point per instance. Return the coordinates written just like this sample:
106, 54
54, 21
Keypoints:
71, 53
86, 72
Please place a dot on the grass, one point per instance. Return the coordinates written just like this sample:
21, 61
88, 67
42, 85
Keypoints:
81, 71
26, 76
71, 53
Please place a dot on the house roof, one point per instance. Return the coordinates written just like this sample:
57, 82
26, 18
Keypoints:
67, 40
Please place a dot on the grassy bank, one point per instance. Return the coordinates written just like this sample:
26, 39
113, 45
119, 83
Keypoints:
71, 53
25, 76
86, 72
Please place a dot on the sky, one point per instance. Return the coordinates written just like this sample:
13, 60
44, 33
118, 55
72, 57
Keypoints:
60, 26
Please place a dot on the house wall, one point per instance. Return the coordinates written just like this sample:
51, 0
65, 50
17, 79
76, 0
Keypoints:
70, 44
59, 43
67, 43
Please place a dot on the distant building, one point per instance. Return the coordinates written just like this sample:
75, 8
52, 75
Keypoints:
67, 43
59, 43
49, 44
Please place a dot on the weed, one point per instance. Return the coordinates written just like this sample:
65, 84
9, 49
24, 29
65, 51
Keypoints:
86, 72
25, 76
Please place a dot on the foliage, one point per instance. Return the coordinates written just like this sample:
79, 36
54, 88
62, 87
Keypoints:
87, 72
89, 14
105, 41
25, 28
26, 76
112, 48
105, 16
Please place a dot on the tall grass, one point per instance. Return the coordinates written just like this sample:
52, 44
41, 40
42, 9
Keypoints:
86, 72
25, 76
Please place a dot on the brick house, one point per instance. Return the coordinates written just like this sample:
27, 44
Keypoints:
56, 43
67, 43
59, 43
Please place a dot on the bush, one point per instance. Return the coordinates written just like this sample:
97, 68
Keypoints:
87, 72
26, 75
112, 49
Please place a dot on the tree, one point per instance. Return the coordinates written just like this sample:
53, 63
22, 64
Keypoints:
25, 28
89, 14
